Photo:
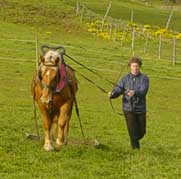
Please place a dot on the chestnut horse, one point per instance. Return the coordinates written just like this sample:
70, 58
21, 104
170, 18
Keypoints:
55, 106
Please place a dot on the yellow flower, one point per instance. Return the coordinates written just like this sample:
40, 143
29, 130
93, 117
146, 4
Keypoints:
48, 33
132, 24
163, 31
104, 35
92, 29
178, 36
98, 22
147, 26
137, 29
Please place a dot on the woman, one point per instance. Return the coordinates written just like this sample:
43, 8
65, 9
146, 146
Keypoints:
134, 87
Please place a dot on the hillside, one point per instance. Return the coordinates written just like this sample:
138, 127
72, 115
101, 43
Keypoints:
143, 14
54, 22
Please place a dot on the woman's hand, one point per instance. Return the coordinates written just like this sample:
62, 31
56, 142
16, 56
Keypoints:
109, 94
130, 93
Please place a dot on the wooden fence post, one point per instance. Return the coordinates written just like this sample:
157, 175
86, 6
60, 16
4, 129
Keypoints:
174, 51
107, 12
107, 27
122, 37
110, 30
37, 59
115, 32
77, 8
132, 16
169, 19
133, 41
146, 43
97, 26
160, 46
89, 16
82, 13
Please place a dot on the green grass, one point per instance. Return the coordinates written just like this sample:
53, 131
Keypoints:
160, 155
142, 14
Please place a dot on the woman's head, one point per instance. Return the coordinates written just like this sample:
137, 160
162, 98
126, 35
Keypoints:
135, 64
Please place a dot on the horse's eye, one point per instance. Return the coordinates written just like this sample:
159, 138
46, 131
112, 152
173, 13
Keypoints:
57, 60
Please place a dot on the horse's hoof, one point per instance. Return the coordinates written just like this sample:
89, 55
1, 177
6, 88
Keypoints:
48, 147
58, 142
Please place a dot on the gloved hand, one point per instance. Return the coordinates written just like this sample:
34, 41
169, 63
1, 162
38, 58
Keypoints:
130, 93
109, 94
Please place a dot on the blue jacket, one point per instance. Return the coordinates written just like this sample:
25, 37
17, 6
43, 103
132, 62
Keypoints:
140, 85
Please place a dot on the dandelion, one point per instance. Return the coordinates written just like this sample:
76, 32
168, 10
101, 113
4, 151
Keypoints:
104, 35
178, 36
163, 31
48, 33
157, 33
132, 24
92, 29
152, 31
138, 29
146, 26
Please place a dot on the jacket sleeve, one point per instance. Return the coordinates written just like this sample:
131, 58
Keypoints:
118, 89
143, 88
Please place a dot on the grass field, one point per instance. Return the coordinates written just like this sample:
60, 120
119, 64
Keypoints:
20, 158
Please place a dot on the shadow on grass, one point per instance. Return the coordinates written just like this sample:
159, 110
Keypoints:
103, 147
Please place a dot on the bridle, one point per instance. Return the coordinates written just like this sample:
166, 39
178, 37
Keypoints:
44, 49
51, 88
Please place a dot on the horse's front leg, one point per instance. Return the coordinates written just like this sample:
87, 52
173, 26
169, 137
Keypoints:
47, 127
53, 130
63, 122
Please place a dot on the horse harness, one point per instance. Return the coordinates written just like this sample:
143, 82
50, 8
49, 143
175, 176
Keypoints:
53, 88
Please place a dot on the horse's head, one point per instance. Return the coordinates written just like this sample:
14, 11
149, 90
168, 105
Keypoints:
51, 58
52, 55
48, 77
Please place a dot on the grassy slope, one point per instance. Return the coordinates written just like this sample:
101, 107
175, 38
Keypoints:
19, 158
142, 14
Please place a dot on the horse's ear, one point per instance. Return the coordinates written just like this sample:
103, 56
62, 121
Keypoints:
42, 59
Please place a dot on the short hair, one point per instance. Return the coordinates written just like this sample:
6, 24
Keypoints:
135, 59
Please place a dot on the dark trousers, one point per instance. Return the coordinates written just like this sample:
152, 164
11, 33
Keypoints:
136, 124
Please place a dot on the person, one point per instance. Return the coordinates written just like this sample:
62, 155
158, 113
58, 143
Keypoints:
134, 87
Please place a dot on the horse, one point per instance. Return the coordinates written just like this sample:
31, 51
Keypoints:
54, 89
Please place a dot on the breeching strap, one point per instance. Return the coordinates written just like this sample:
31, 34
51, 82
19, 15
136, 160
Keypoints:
35, 117
78, 115
77, 112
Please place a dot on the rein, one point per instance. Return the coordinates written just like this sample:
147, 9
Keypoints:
96, 85
112, 107
90, 70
